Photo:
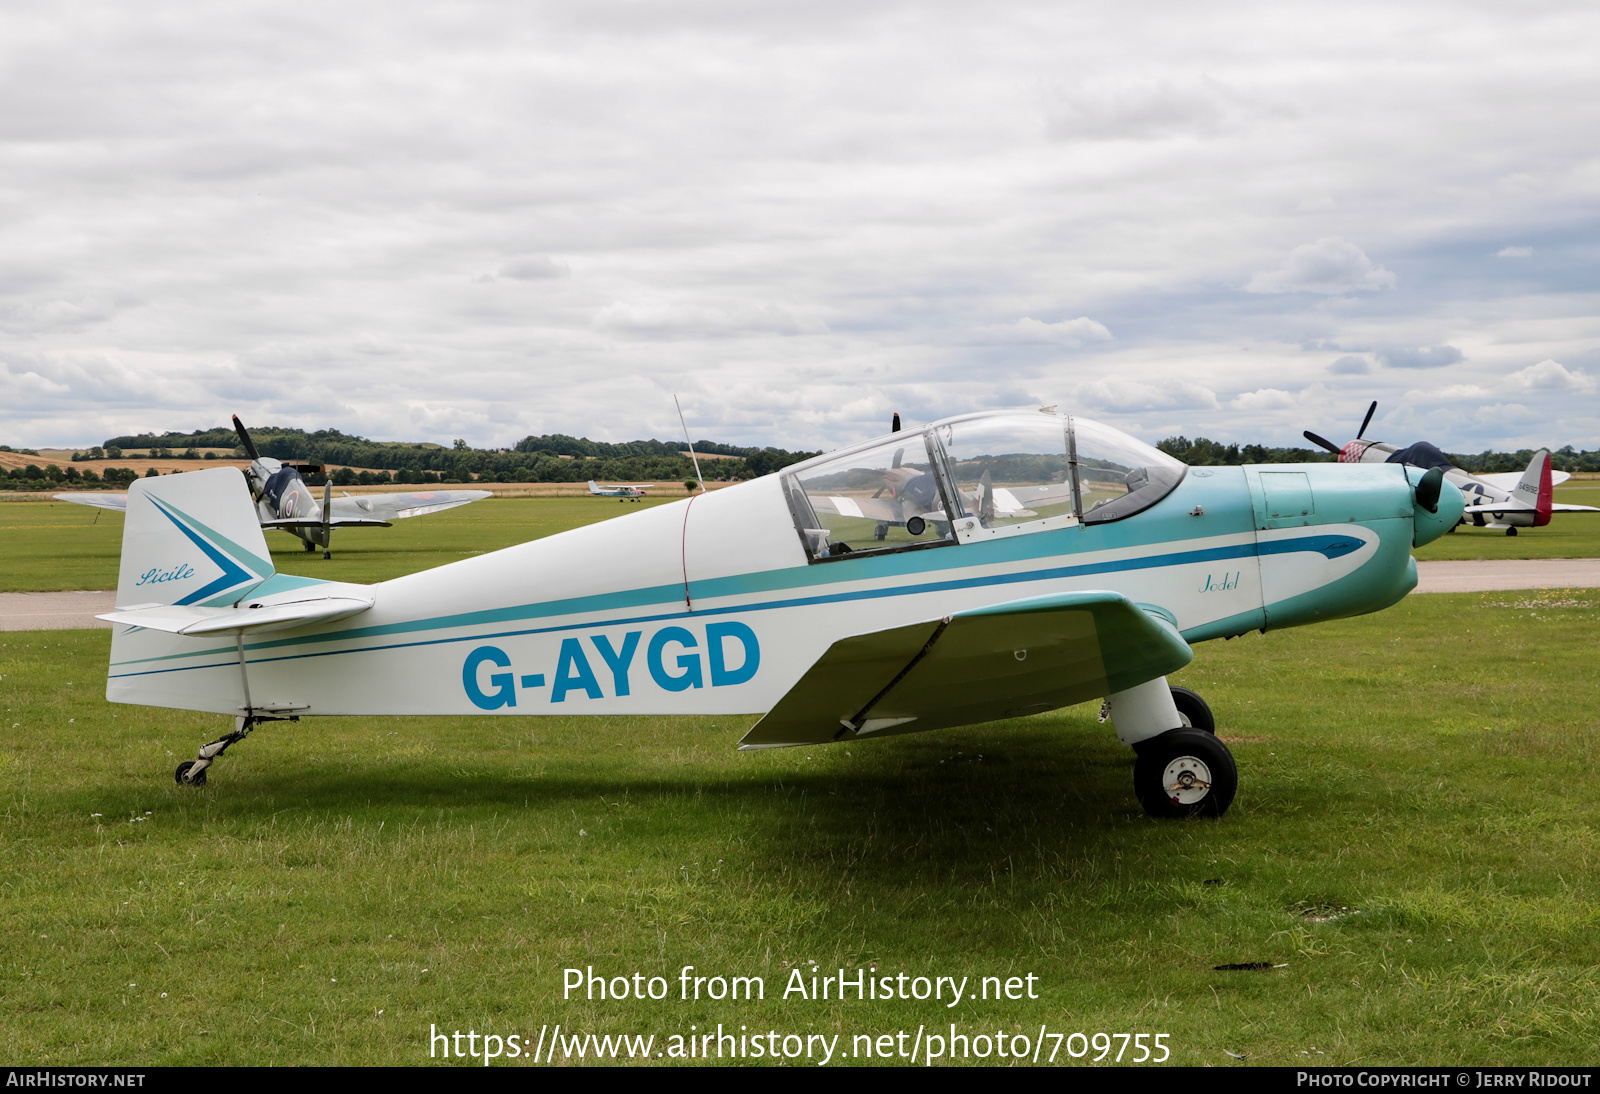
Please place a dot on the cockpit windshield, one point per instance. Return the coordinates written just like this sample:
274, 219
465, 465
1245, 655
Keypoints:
995, 474
1118, 475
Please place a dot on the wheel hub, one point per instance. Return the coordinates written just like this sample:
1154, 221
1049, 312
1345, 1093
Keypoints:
1186, 780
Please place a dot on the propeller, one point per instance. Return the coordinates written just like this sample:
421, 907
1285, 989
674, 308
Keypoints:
1329, 445
244, 438
1367, 420
327, 517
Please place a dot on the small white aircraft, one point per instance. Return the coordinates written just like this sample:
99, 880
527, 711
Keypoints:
756, 599
625, 490
284, 501
1510, 500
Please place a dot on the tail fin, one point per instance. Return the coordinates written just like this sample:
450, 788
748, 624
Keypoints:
1536, 489
593, 489
191, 539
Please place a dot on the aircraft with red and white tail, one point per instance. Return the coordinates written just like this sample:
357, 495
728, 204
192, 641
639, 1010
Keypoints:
1508, 500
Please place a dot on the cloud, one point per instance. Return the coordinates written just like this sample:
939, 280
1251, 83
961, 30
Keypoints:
1513, 252
1125, 396
534, 268
1066, 332
1145, 110
1550, 375
1419, 356
1268, 398
661, 320
1351, 365
1329, 266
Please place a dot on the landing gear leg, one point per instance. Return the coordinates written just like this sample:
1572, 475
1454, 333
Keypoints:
193, 772
1182, 770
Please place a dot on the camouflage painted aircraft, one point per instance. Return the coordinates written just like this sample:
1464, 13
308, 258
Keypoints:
284, 501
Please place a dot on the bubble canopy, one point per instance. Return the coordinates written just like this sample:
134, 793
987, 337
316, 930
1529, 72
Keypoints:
972, 477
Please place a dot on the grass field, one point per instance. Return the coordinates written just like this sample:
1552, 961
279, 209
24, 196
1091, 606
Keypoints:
1414, 842
47, 546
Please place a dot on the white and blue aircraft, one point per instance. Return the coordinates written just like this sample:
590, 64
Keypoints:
756, 599
624, 490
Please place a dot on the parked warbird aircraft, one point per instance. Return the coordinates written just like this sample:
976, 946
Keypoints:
284, 501
1510, 500
755, 600
624, 490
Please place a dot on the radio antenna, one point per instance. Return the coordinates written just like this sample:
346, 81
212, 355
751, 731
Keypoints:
690, 443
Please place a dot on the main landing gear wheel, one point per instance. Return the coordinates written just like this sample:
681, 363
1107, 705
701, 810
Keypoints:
1185, 773
181, 775
1511, 531
1193, 710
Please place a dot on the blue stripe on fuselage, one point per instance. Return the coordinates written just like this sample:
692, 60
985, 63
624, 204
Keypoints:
1331, 546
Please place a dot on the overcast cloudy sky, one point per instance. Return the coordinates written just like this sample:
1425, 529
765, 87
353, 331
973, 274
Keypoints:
483, 220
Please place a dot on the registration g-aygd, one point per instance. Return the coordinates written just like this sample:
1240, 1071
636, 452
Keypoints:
810, 985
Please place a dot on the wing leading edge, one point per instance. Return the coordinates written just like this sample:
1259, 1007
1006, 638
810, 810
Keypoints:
1003, 661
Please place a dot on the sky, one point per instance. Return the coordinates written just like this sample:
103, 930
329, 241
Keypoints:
484, 220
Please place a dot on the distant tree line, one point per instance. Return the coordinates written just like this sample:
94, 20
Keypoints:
554, 457
1204, 452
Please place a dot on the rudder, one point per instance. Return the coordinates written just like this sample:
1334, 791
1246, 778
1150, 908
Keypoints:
192, 538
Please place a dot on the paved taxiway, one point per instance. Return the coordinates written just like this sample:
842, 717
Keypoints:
60, 611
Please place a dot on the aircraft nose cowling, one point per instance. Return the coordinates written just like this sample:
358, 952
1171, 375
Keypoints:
1447, 503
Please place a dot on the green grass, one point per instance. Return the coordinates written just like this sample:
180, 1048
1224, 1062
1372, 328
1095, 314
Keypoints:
1568, 535
1414, 838
47, 546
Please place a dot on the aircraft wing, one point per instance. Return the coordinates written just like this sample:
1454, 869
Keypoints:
293, 524
1003, 661
871, 508
1019, 501
96, 498
387, 507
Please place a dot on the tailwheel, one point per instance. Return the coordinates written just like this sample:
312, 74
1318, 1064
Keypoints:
327, 554
1511, 531
182, 775
1185, 773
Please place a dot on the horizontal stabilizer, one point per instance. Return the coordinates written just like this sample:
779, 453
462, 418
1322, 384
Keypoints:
98, 498
194, 620
1004, 661
1554, 508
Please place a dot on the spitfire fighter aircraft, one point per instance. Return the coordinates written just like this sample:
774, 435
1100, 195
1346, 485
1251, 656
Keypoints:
1510, 500
765, 599
625, 490
284, 501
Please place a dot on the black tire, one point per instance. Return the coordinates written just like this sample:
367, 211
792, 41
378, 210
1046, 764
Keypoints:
1190, 756
1511, 531
1193, 710
183, 769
